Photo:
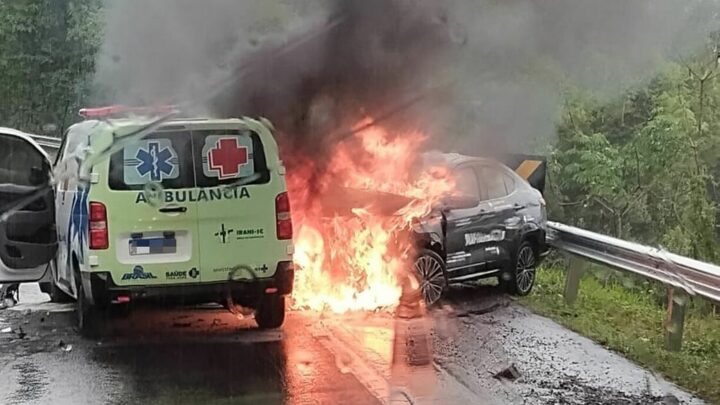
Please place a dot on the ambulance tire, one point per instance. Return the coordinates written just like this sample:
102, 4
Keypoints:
50, 288
89, 316
270, 313
56, 294
120, 310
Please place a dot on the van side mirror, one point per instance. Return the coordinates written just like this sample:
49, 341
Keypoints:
459, 202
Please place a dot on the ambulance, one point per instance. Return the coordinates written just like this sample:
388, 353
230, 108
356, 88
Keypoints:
136, 208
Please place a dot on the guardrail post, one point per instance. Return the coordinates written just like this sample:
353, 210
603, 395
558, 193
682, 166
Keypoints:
576, 267
675, 323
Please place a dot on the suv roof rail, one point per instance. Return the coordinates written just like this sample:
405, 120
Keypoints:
122, 111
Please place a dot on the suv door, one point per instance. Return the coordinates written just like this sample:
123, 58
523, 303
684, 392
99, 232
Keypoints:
28, 240
502, 222
464, 257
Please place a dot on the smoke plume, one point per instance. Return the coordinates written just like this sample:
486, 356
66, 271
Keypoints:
371, 59
315, 68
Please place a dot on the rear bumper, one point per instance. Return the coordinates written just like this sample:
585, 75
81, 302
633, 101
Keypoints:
103, 290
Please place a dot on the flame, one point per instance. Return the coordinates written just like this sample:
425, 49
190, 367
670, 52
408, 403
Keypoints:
353, 262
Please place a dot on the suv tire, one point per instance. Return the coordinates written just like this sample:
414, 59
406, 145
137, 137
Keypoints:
430, 268
270, 313
522, 271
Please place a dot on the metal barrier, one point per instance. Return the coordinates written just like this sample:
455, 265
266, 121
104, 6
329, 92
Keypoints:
686, 276
48, 142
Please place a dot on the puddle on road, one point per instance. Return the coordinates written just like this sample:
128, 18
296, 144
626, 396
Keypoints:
160, 363
31, 382
44, 306
377, 339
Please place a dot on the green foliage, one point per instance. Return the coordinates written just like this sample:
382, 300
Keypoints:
47, 56
602, 312
644, 166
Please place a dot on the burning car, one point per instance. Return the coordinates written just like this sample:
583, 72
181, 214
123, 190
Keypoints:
493, 226
381, 207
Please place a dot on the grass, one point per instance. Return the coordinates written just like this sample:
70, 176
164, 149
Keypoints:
630, 322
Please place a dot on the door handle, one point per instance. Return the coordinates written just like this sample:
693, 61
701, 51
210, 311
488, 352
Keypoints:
166, 210
518, 206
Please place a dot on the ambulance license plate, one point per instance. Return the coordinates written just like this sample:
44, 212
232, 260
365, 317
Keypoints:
152, 246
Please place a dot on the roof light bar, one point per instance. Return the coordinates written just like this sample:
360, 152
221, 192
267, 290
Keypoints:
123, 111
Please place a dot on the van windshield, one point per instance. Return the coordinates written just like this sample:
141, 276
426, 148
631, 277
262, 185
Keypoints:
186, 159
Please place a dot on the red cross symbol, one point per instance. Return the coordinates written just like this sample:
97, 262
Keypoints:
227, 157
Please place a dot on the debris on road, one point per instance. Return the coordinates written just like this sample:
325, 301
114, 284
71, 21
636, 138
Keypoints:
482, 311
670, 399
508, 373
7, 303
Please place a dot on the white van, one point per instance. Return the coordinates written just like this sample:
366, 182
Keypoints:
195, 211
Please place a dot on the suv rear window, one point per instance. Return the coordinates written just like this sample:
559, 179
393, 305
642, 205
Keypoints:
189, 159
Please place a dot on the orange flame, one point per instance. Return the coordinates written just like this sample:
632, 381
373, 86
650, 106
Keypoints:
352, 262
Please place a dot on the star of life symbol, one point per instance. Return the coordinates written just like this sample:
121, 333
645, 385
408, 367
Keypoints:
227, 157
154, 161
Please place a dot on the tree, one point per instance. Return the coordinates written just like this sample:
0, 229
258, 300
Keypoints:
644, 166
47, 56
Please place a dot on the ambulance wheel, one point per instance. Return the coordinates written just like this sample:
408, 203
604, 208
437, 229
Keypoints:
89, 316
56, 294
270, 313
120, 310
51, 289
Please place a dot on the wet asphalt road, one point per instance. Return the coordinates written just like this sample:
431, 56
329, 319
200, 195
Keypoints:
207, 355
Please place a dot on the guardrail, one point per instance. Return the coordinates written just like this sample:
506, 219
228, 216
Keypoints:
47, 141
686, 276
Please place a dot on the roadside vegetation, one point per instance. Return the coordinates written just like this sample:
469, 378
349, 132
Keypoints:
643, 167
629, 320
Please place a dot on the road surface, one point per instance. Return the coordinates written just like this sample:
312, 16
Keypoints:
207, 355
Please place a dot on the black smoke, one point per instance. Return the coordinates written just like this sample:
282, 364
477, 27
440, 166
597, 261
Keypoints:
372, 59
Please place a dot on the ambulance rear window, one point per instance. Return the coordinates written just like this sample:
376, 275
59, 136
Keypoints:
190, 159
226, 157
162, 157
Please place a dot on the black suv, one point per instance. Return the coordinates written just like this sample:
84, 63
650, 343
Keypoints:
495, 229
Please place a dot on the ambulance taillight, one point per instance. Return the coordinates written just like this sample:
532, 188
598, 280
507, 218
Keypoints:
282, 217
98, 226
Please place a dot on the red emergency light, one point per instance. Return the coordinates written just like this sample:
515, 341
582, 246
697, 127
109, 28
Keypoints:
115, 111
